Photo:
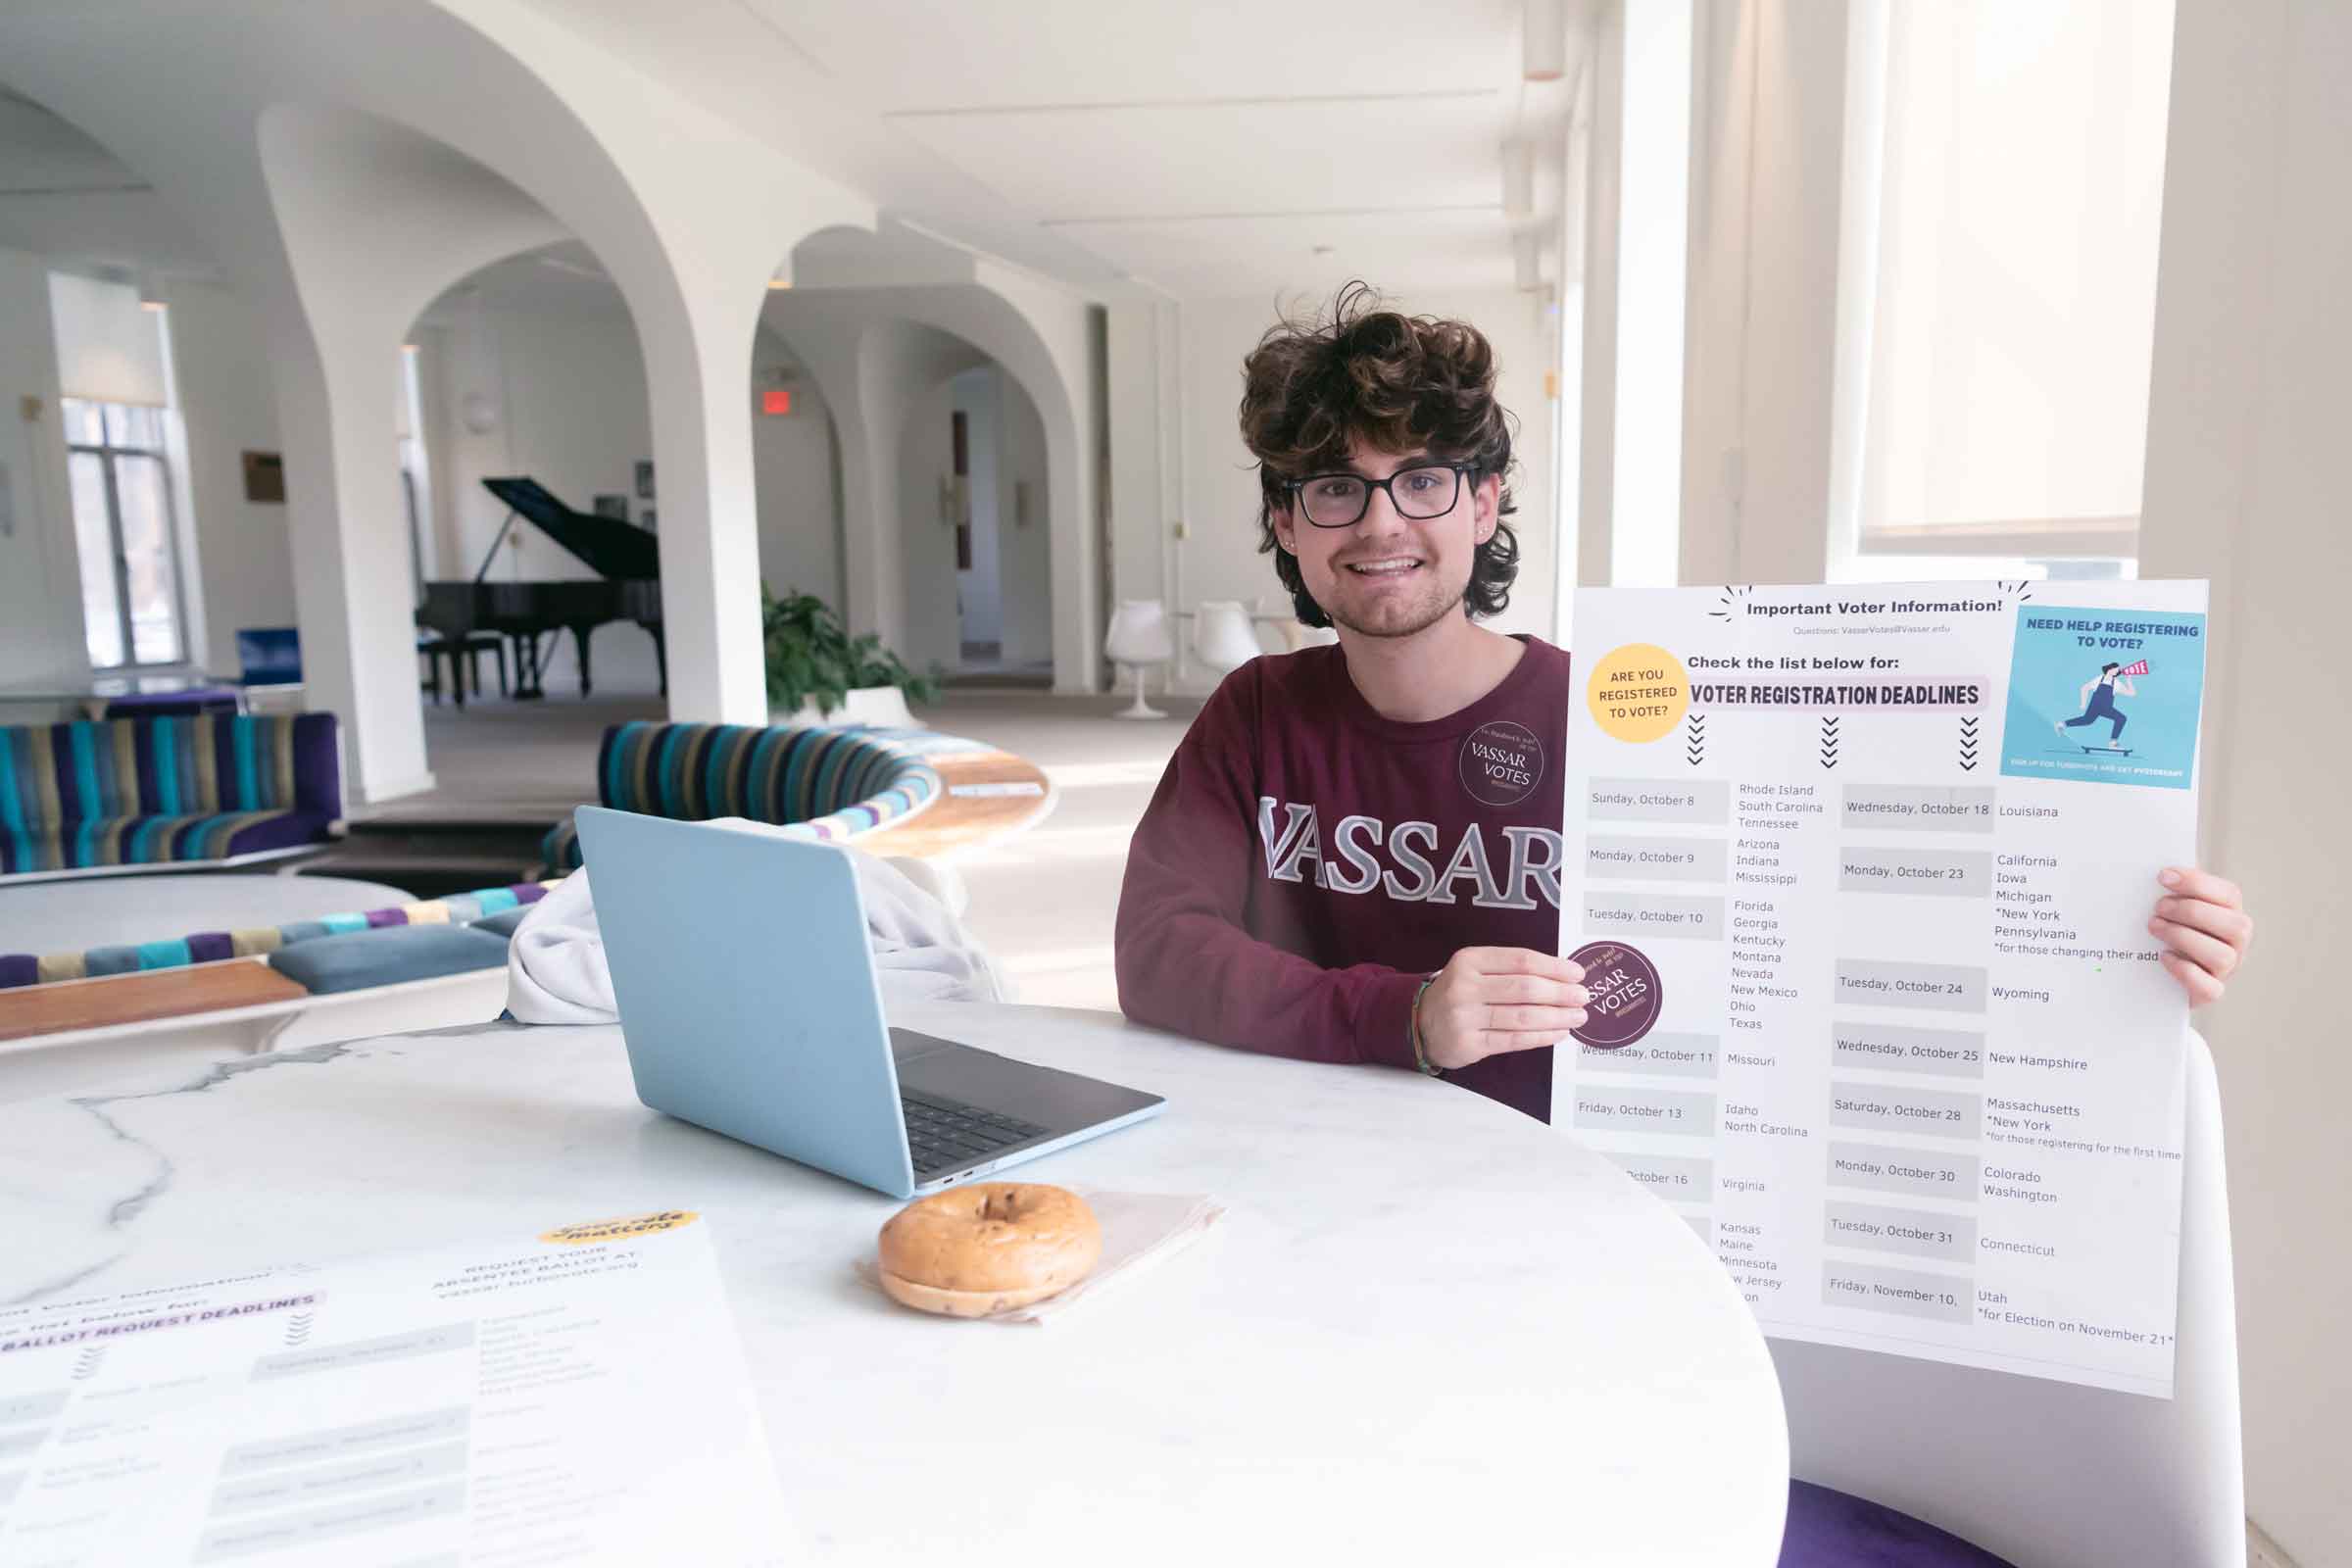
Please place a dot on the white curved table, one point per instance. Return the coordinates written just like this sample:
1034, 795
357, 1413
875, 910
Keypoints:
1428, 1331
80, 912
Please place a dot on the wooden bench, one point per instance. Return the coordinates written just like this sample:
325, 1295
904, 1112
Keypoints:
122, 999
990, 797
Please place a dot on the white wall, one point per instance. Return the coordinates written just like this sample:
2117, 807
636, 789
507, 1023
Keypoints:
1195, 363
1024, 550
569, 393
1007, 447
1053, 347
220, 367
1760, 358
566, 390
979, 590
871, 348
243, 574
926, 542
882, 353
795, 465
40, 597
2245, 480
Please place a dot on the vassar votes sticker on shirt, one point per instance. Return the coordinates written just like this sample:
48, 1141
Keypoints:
1502, 763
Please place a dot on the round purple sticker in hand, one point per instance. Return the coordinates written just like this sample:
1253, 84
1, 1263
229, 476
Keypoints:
1627, 995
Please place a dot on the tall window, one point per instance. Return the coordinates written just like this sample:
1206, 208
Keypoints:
130, 577
2004, 177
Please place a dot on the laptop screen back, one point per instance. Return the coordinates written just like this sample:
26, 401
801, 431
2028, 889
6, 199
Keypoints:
746, 989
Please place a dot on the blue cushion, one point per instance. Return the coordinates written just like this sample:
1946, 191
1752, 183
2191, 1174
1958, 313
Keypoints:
504, 922
387, 955
1835, 1529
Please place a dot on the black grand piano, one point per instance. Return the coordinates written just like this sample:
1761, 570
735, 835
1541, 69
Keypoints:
627, 556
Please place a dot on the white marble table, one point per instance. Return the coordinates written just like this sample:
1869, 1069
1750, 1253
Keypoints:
93, 912
1429, 1330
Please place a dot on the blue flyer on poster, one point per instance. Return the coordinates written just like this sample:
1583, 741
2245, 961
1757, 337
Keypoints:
2104, 695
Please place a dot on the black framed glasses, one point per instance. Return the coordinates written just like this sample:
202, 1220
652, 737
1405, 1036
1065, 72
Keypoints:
1421, 492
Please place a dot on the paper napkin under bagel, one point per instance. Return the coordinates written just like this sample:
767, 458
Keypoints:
1139, 1229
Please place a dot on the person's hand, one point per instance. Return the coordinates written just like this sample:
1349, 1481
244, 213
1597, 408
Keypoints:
1492, 1000
2202, 922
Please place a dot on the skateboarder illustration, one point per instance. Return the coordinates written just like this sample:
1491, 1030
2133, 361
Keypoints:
2099, 697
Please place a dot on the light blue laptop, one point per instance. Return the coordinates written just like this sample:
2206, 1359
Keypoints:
748, 1004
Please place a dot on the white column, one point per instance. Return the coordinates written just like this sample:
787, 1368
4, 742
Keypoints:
349, 538
710, 534
2247, 408
885, 386
1653, 158
868, 487
1070, 499
1138, 461
1759, 330
42, 636
1597, 443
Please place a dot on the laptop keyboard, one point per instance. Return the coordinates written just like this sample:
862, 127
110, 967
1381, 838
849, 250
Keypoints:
942, 1134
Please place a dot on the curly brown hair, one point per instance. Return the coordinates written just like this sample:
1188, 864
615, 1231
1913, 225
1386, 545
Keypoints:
1400, 383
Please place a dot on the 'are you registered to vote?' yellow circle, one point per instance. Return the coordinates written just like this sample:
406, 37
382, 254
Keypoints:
1637, 693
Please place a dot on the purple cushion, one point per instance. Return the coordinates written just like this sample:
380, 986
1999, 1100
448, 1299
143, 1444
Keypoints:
1834, 1530
281, 832
170, 704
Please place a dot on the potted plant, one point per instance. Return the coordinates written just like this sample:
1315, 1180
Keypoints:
817, 673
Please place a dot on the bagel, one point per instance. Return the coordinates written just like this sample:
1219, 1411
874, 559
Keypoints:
970, 1251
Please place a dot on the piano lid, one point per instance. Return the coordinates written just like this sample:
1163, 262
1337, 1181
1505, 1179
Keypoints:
614, 548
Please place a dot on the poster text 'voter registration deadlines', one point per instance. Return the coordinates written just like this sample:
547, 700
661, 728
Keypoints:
1860, 877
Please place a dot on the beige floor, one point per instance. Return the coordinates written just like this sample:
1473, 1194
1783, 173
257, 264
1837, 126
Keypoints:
1043, 903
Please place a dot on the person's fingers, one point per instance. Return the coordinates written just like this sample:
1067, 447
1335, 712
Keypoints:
1520, 960
2187, 882
1526, 1040
2234, 926
2210, 953
1523, 1019
2201, 987
1530, 988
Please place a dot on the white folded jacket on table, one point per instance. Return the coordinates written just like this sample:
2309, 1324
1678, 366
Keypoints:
556, 969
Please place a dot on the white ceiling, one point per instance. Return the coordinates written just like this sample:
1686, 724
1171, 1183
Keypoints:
1203, 148
1120, 147
555, 280
65, 197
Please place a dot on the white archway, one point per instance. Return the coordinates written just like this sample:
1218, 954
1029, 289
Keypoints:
183, 99
849, 331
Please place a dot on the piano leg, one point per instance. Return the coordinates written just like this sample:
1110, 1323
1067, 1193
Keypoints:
579, 643
526, 668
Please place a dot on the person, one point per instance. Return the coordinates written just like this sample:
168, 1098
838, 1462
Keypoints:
1354, 853
2097, 697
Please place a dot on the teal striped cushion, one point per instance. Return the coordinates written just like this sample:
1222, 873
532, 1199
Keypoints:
829, 783
146, 791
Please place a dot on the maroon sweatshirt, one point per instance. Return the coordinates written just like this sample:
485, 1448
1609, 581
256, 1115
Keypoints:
1306, 863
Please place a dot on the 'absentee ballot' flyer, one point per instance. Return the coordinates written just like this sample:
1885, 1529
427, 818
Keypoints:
1861, 878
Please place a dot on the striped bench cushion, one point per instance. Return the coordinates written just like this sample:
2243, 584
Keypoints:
158, 791
827, 783
208, 946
